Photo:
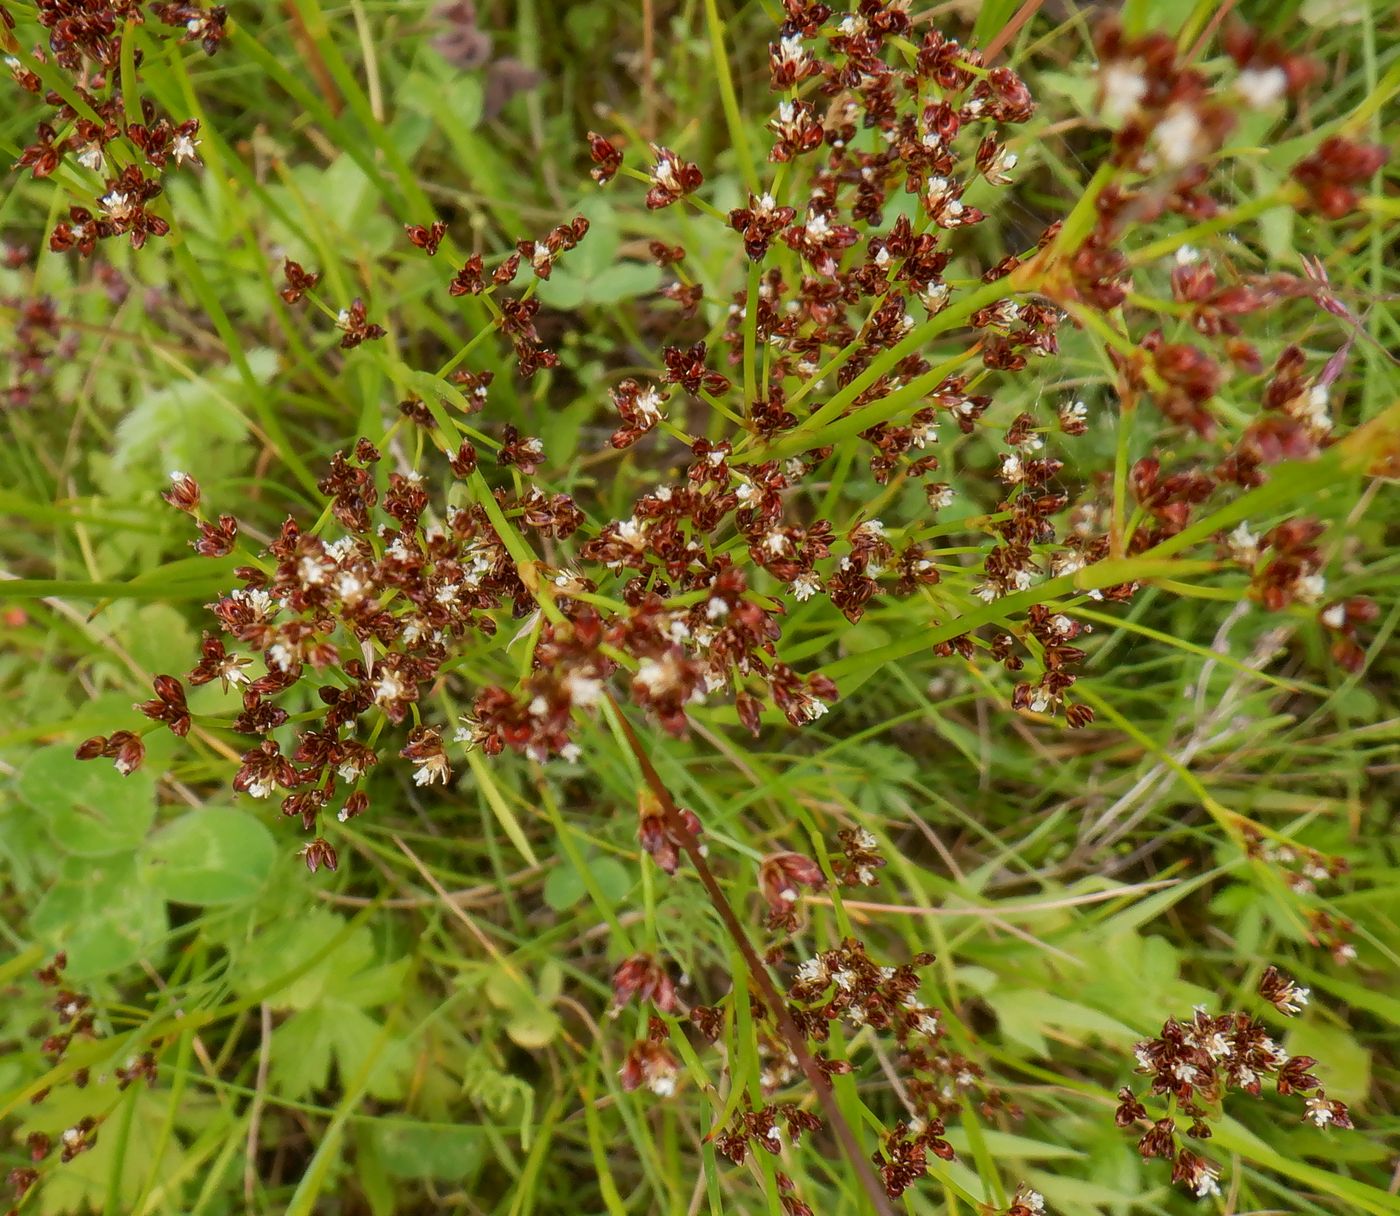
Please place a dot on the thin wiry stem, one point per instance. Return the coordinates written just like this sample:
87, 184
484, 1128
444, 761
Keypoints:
788, 1028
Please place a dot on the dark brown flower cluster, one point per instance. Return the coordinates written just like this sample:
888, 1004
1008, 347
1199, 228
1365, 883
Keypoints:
874, 322
843, 985
36, 346
1193, 1065
84, 40
1307, 874
73, 1020
374, 617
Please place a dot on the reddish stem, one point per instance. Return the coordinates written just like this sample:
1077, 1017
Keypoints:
796, 1040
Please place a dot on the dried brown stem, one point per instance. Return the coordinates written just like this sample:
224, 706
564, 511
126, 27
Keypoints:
1011, 29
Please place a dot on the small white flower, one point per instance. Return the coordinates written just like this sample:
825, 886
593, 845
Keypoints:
1261, 87
664, 175
584, 691
118, 205
389, 687
184, 148
934, 297
652, 676
1124, 86
791, 51
1310, 588
1243, 545
1206, 1183
312, 570
648, 404
91, 157
282, 656
1012, 471
1335, 616
1313, 409
431, 770
1178, 137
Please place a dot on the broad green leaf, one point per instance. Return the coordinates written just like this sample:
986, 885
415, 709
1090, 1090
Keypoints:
157, 636
301, 1053
103, 914
533, 1028
84, 1184
90, 809
564, 888
1023, 1014
194, 425
419, 1151
214, 855
308, 1042
1343, 1065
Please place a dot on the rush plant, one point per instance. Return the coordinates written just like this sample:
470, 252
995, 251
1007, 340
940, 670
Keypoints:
956, 386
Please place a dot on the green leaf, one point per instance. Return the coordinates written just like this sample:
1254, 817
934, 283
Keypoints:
354, 1035
371, 1173
193, 425
102, 914
287, 944
564, 888
592, 273
531, 1023
1343, 1065
301, 1054
1024, 1013
307, 1043
214, 855
90, 809
1005, 1144
418, 1151
991, 20
157, 636
84, 1184
458, 95
533, 1028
